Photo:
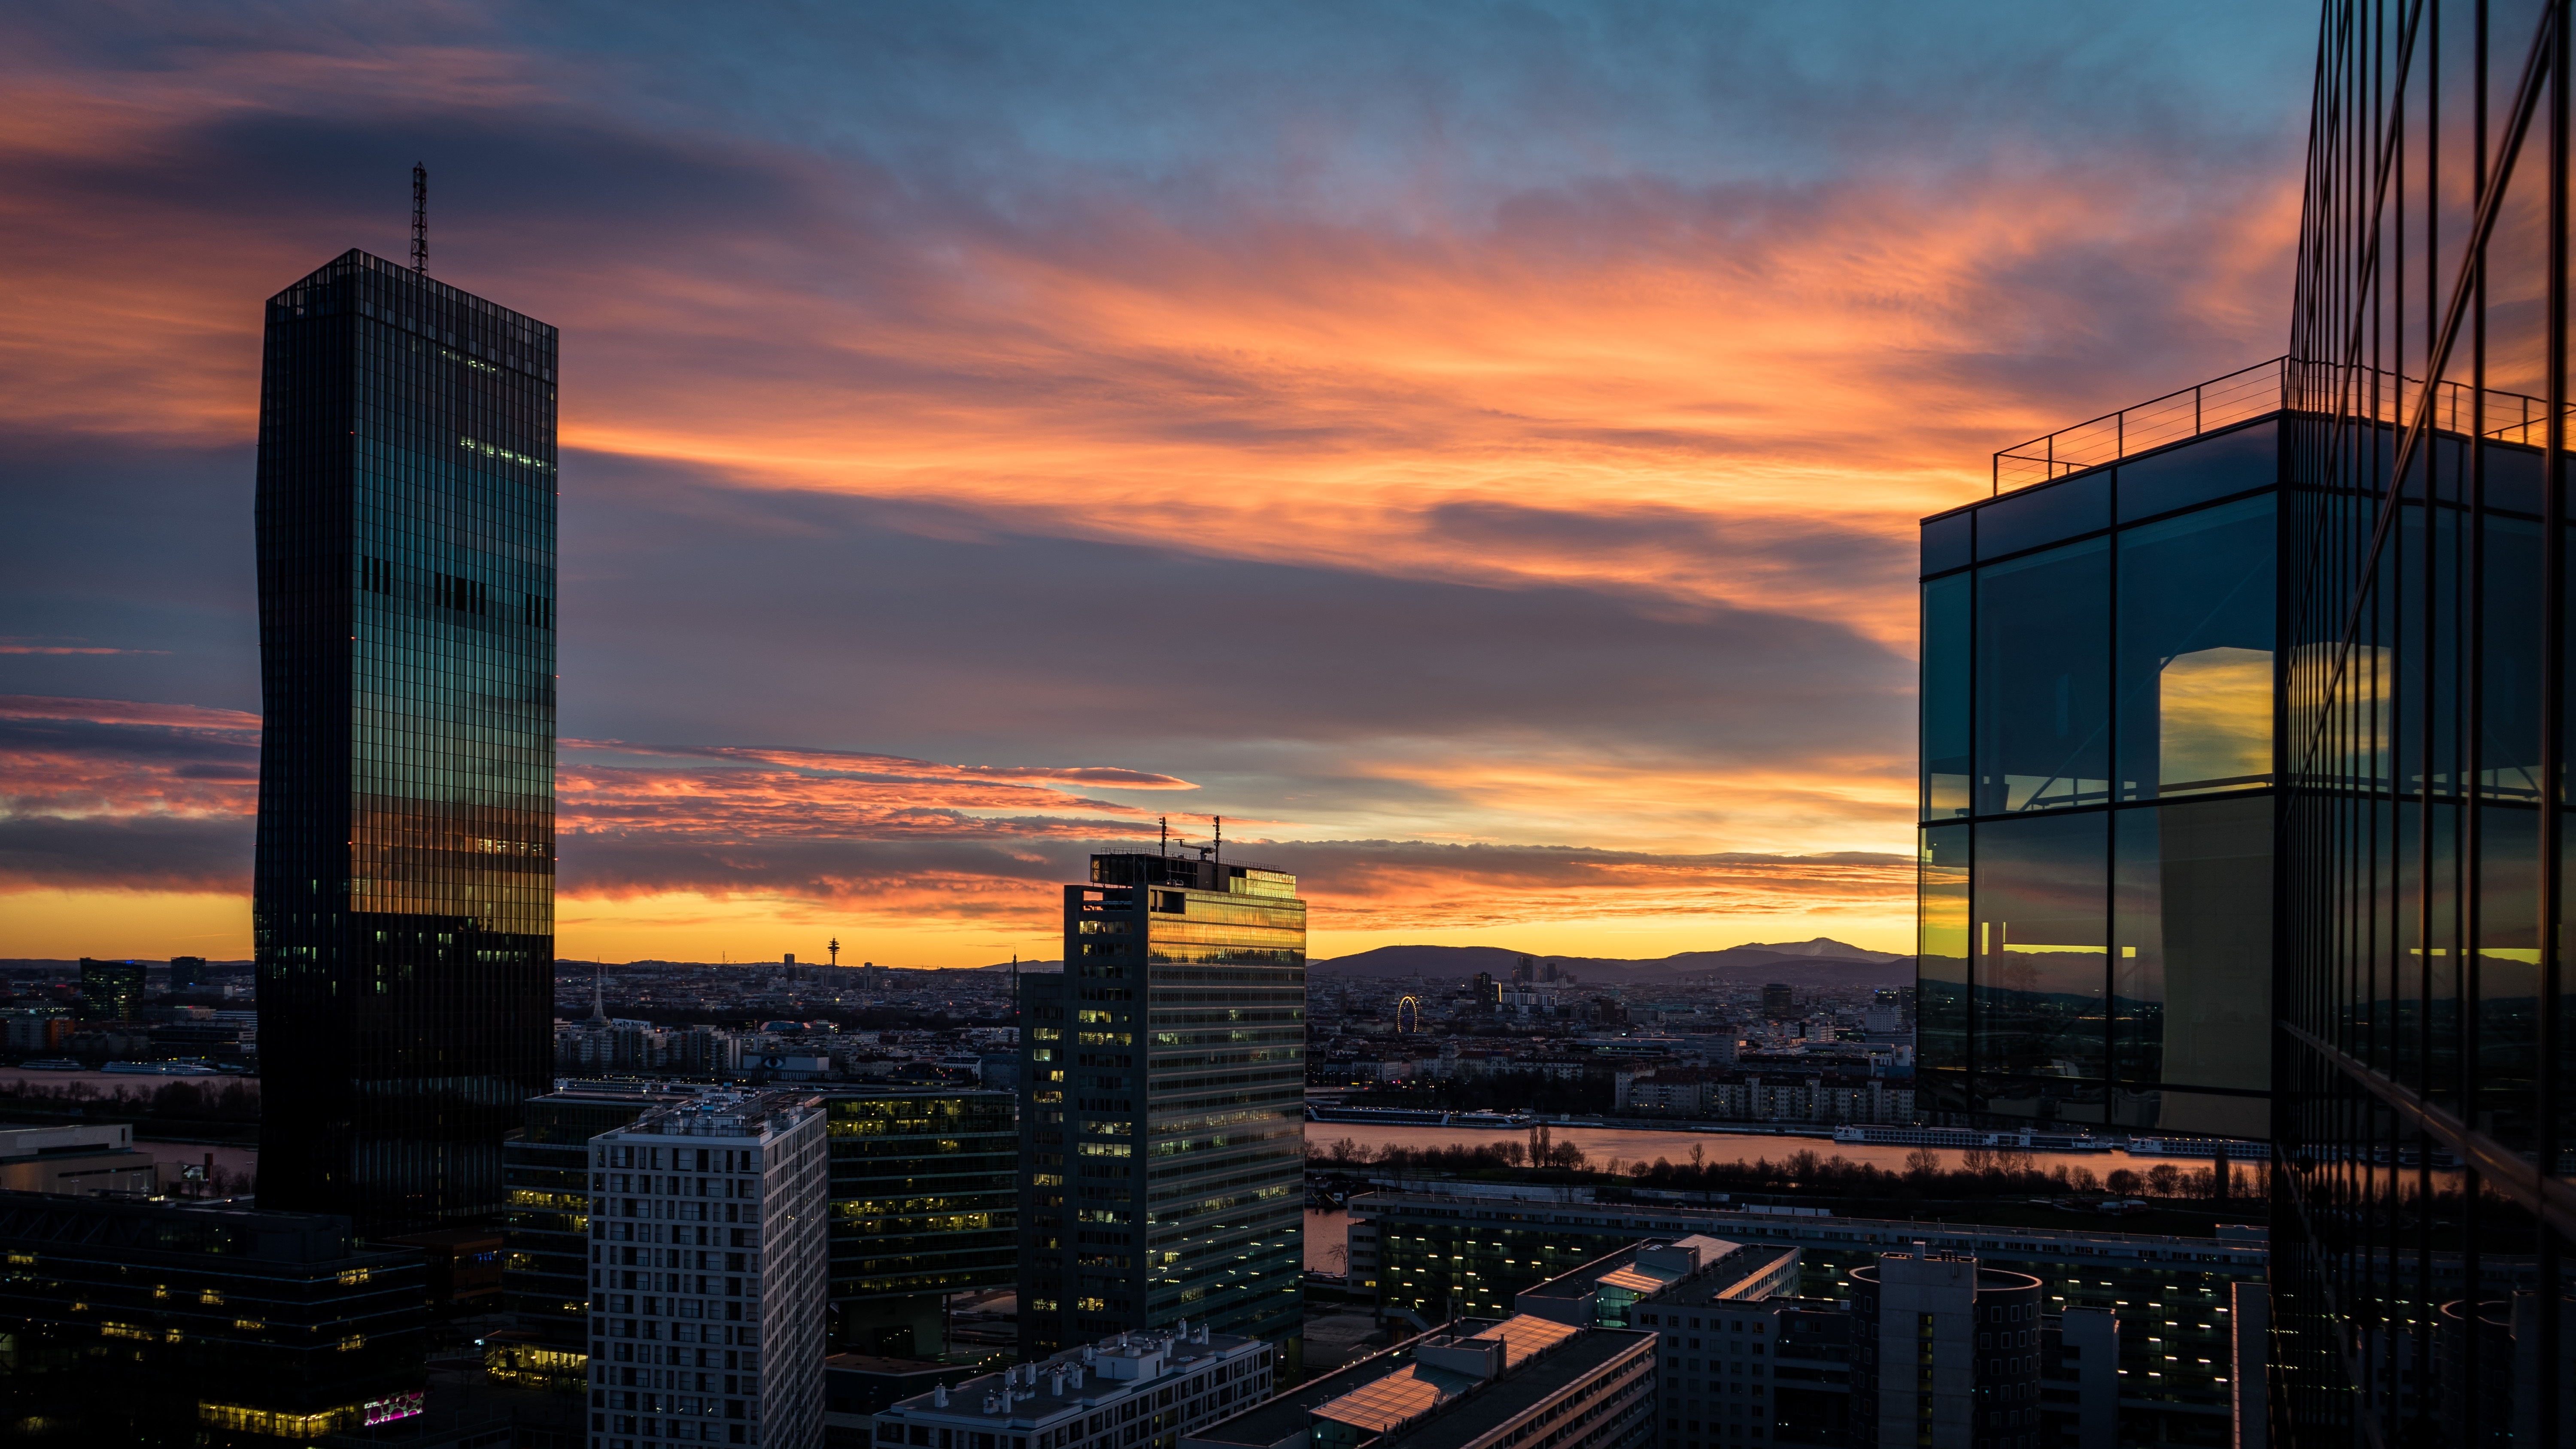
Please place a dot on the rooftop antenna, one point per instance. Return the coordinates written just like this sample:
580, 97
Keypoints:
419, 220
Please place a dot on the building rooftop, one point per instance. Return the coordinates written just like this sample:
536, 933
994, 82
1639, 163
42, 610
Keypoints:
1078, 1381
1454, 1384
167, 1231
32, 1144
727, 1114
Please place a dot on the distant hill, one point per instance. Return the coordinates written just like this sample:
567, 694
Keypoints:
1820, 962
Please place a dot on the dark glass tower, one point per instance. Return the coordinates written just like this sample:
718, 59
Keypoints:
2424, 1232
1162, 1128
2420, 1020
404, 913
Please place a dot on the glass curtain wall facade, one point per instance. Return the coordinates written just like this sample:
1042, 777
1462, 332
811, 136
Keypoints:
924, 1195
2098, 794
403, 918
1163, 1115
2424, 1218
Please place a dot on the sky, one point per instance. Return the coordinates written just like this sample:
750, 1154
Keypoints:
1475, 450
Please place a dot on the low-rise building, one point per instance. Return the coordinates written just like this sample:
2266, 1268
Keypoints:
1671, 1288
1830, 1098
1472, 1384
1421, 1252
126, 1316
81, 1160
1149, 1390
35, 1031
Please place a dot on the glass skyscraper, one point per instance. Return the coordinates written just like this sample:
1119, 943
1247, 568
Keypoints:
1162, 1126
2246, 743
2427, 1029
404, 891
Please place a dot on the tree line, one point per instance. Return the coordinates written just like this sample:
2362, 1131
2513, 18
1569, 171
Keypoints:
1981, 1172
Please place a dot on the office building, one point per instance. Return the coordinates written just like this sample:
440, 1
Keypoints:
1751, 1367
1414, 1253
925, 1194
545, 1233
187, 973
85, 1159
403, 889
1129, 1391
1473, 1382
36, 1031
1779, 1003
1162, 1123
1691, 1291
128, 1321
112, 988
1944, 1353
708, 1267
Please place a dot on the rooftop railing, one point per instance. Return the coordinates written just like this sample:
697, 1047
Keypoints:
2278, 385
2221, 402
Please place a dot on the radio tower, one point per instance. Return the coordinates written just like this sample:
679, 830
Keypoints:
419, 219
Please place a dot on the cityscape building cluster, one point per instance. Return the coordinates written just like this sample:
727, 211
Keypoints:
2245, 727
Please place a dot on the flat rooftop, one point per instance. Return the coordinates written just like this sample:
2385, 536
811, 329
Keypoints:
1541, 1359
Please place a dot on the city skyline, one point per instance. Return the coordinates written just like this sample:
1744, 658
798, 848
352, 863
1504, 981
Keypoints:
1489, 387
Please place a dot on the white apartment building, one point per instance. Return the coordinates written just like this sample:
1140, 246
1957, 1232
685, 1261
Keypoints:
708, 1275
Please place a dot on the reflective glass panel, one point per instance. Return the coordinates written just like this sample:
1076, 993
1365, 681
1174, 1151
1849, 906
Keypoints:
2195, 651
1941, 998
2044, 515
1948, 542
2040, 932
1946, 761
2214, 467
2191, 961
2043, 680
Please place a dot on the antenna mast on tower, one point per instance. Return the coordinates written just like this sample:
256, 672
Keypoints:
419, 219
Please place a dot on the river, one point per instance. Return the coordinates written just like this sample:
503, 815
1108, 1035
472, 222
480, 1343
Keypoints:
1328, 1233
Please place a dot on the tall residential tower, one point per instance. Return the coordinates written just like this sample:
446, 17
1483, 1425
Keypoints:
1162, 1124
403, 921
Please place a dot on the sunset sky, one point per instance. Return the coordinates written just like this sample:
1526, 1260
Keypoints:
1474, 449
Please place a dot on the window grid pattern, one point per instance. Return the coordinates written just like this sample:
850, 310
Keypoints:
1163, 1132
2422, 1222
2099, 737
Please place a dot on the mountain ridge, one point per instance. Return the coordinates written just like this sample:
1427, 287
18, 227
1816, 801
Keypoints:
1818, 962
